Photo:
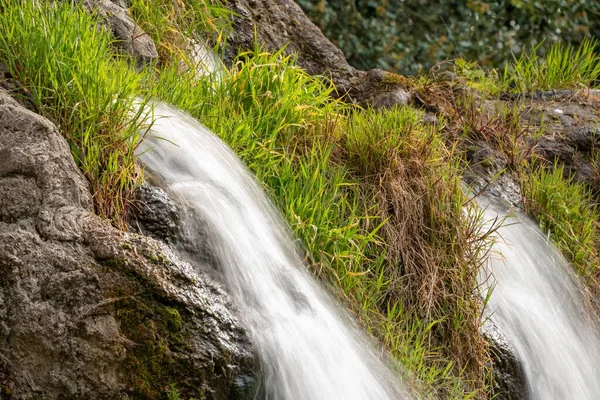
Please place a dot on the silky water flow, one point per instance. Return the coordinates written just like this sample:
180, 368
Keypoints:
308, 346
537, 303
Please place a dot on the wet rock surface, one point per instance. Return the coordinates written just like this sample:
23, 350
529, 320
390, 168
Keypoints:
509, 377
87, 311
155, 214
488, 172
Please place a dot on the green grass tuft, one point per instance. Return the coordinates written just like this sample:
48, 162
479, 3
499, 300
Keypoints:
564, 208
563, 67
58, 52
173, 25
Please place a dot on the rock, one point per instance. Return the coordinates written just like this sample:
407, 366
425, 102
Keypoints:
487, 172
155, 214
571, 135
130, 37
87, 311
381, 90
509, 377
279, 23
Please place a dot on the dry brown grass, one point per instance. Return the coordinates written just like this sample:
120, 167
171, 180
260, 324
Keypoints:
434, 249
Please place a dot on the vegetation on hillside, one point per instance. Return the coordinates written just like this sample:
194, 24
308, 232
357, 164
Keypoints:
374, 196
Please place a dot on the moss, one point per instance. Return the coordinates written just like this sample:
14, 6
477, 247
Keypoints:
156, 333
156, 330
392, 78
114, 263
172, 318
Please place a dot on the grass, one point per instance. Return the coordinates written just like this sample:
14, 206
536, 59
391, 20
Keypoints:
563, 67
565, 209
433, 249
69, 67
176, 25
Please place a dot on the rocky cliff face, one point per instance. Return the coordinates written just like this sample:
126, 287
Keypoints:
87, 311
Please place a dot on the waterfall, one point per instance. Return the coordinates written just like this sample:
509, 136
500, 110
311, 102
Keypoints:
308, 347
538, 305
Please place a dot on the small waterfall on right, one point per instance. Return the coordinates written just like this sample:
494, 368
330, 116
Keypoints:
538, 305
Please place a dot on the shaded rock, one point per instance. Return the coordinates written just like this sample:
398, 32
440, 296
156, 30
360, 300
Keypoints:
509, 377
571, 135
155, 214
487, 172
16, 90
87, 311
279, 23
130, 37
548, 95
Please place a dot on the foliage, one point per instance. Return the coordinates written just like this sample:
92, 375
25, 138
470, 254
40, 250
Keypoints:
433, 249
66, 62
410, 35
564, 208
563, 67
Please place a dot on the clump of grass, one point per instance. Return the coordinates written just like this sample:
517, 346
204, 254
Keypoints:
563, 67
58, 52
497, 124
564, 208
173, 24
478, 78
433, 249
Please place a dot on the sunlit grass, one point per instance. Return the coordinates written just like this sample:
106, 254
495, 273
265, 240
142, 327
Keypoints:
174, 25
562, 67
58, 52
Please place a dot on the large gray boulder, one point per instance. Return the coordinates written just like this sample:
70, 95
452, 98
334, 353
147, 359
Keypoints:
87, 311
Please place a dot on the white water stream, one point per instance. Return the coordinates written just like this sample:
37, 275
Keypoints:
538, 305
309, 348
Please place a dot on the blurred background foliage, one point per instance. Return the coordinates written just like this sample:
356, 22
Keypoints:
408, 36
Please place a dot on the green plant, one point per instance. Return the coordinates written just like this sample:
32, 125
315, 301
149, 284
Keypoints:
172, 392
563, 66
58, 52
409, 36
564, 208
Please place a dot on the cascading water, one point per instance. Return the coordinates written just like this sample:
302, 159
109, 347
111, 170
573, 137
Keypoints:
538, 305
308, 347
